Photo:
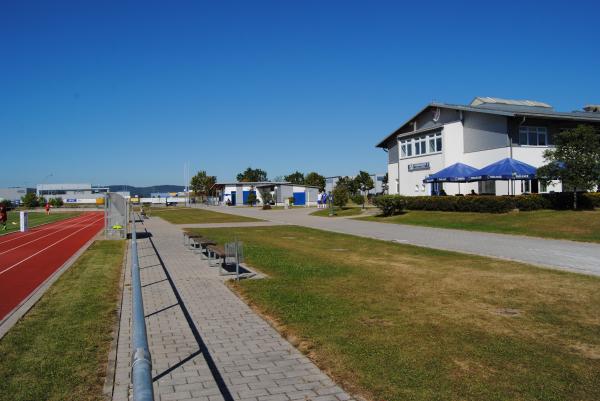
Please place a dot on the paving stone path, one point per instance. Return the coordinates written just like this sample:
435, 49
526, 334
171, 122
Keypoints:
207, 344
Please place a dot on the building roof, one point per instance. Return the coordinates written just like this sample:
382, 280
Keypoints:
504, 107
265, 184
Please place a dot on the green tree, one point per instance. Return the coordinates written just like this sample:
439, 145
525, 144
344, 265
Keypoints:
251, 199
295, 178
315, 180
56, 202
384, 183
202, 183
252, 175
340, 196
266, 197
30, 200
575, 160
365, 184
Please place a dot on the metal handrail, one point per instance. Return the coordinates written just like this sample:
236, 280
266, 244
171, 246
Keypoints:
141, 362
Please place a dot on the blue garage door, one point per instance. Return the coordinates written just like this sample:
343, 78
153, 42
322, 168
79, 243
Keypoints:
245, 196
299, 198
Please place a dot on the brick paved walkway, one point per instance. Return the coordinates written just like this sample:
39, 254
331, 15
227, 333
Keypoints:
206, 344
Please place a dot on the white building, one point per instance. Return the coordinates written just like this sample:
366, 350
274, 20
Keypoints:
72, 193
486, 131
236, 193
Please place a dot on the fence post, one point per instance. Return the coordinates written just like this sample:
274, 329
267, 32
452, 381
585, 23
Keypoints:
141, 362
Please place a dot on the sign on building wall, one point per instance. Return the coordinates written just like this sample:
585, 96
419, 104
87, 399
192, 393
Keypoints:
418, 166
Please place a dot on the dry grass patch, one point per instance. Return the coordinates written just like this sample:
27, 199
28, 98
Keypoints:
558, 224
395, 321
198, 216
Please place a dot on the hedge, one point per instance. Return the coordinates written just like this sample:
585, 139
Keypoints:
395, 204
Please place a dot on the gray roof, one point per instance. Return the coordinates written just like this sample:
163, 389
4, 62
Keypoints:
504, 109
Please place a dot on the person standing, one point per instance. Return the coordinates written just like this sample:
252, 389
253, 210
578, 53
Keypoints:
47, 208
3, 216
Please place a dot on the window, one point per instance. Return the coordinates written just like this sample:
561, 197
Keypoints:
543, 187
422, 145
533, 136
487, 187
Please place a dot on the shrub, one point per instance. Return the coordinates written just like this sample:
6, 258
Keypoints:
564, 200
56, 202
30, 200
532, 202
291, 200
390, 204
593, 198
358, 199
340, 195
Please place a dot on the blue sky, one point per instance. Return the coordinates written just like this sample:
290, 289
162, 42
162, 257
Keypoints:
126, 92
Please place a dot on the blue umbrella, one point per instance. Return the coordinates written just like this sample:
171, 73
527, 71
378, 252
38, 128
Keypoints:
505, 169
458, 172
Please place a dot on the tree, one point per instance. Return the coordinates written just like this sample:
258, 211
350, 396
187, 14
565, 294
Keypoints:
384, 183
56, 202
315, 180
202, 183
266, 196
251, 199
575, 160
30, 200
365, 184
295, 178
340, 196
252, 175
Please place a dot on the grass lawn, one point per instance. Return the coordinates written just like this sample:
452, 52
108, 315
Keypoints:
193, 216
560, 224
35, 219
59, 350
398, 322
345, 211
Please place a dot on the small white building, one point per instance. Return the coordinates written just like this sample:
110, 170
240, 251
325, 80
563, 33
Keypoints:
478, 134
236, 193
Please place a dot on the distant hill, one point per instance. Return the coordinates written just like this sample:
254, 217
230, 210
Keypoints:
146, 191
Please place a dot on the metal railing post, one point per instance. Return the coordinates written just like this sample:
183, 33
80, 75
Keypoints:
141, 362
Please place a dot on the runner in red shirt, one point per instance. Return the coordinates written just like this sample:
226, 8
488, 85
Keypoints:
47, 208
3, 216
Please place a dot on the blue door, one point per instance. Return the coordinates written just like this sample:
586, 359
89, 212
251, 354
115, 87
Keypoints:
299, 198
233, 196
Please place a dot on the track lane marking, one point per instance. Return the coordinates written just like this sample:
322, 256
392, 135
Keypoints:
48, 247
88, 219
41, 227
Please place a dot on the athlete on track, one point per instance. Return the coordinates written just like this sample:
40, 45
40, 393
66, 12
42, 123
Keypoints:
3, 216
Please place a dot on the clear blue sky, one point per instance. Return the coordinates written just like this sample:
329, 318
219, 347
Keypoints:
115, 92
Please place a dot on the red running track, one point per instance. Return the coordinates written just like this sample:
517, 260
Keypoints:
28, 259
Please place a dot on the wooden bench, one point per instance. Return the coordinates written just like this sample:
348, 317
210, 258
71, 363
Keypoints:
215, 253
187, 237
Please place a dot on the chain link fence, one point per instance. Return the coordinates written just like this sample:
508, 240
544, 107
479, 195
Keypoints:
116, 216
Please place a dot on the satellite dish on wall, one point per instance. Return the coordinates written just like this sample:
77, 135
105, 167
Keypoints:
436, 114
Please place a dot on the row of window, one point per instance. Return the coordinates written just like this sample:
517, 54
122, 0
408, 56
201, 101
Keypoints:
422, 145
533, 136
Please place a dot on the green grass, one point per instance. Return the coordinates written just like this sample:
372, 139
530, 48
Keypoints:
59, 350
345, 211
197, 216
398, 322
559, 224
35, 219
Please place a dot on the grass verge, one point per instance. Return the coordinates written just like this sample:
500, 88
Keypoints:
343, 212
398, 322
35, 219
58, 351
557, 224
197, 216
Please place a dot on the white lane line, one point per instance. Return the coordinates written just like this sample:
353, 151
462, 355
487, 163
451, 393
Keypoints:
37, 229
66, 227
49, 246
